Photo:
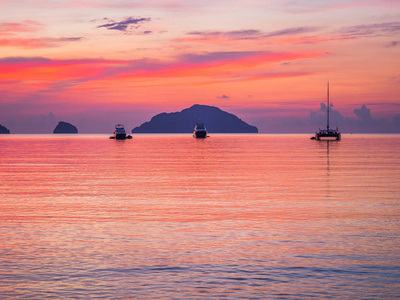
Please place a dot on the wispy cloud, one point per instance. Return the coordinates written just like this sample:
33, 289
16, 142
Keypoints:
298, 7
23, 35
212, 67
224, 56
234, 35
366, 30
30, 43
295, 35
124, 25
291, 31
393, 44
12, 28
242, 35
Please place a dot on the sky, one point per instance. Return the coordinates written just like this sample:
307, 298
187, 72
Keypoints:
98, 63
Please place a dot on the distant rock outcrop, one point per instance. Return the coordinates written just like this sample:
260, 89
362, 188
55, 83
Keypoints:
64, 127
215, 120
4, 130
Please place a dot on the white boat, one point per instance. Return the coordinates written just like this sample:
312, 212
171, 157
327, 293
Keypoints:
120, 133
328, 133
200, 131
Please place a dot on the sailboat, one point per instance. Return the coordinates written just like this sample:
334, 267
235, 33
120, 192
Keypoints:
328, 133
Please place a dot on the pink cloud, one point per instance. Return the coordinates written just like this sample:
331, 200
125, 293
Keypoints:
32, 43
208, 68
11, 28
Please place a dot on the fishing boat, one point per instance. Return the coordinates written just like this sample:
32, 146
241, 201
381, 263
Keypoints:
200, 131
120, 133
328, 133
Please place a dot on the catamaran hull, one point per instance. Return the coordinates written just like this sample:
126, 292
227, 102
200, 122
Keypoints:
320, 137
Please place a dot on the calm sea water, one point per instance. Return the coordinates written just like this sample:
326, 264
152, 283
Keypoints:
172, 217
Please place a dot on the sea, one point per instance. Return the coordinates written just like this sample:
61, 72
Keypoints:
168, 216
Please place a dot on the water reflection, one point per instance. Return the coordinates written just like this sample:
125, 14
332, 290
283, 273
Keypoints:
262, 216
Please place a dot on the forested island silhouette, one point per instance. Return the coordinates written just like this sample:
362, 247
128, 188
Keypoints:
4, 130
216, 120
64, 127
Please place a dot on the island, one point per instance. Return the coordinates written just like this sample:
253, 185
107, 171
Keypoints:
4, 130
215, 119
64, 127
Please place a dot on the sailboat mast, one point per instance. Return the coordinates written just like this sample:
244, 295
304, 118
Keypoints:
327, 109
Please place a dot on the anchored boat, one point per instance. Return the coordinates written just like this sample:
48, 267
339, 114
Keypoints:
200, 131
328, 133
120, 133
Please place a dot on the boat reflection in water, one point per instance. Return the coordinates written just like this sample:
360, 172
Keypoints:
328, 133
200, 131
120, 133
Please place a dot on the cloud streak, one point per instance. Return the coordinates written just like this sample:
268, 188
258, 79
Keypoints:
209, 67
22, 35
32, 43
370, 30
291, 31
233, 35
295, 35
242, 35
11, 28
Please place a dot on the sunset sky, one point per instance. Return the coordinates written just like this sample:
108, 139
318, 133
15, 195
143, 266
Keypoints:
95, 63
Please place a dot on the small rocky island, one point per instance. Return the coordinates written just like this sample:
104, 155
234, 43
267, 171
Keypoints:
215, 119
4, 130
64, 127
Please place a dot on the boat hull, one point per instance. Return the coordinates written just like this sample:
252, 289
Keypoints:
120, 133
200, 134
120, 136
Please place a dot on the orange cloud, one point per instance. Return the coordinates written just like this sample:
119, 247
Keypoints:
193, 69
220, 64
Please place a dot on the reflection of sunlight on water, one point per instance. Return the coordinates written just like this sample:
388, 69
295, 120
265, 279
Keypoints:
175, 217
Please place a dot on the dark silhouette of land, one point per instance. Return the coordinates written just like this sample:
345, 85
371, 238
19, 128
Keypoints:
215, 120
64, 127
4, 130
